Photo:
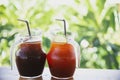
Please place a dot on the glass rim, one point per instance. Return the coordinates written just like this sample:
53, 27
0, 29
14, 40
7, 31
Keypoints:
27, 38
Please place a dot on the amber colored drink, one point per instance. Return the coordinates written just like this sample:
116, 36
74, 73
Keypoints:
61, 60
30, 59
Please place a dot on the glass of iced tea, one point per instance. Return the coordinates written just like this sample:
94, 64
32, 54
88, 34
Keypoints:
62, 57
29, 56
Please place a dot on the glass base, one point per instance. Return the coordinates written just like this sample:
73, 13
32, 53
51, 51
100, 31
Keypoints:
30, 77
62, 78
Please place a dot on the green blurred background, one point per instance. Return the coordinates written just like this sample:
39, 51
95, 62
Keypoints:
95, 25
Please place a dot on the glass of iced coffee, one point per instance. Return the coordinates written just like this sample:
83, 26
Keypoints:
29, 56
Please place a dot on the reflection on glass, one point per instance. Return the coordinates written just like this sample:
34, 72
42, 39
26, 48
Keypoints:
52, 78
39, 78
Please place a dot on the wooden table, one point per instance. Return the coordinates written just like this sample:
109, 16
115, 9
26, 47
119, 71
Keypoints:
80, 74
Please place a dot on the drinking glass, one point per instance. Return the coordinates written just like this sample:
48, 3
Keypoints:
29, 56
63, 57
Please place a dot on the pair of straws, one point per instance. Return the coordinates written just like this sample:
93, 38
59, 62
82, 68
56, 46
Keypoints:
28, 27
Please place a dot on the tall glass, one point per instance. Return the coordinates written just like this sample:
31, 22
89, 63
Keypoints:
30, 59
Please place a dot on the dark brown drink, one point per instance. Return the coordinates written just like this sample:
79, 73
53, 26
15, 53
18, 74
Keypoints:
30, 59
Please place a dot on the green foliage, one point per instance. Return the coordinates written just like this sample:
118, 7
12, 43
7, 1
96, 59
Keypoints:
94, 28
92, 22
46, 44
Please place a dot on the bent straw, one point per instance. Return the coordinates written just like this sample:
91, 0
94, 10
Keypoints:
28, 27
64, 25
